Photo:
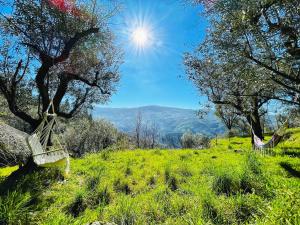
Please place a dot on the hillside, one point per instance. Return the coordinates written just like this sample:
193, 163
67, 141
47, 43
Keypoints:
225, 184
169, 120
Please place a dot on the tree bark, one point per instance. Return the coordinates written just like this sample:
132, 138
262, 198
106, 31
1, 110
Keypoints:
254, 121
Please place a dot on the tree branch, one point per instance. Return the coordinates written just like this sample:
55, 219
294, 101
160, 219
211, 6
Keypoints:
72, 42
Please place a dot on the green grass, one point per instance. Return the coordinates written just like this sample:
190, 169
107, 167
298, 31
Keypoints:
226, 184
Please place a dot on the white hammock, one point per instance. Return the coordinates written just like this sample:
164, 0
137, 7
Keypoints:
276, 138
44, 155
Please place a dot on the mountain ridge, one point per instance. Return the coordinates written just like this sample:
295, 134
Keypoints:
168, 119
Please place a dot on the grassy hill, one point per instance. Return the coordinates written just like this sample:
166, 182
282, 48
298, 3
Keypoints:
226, 184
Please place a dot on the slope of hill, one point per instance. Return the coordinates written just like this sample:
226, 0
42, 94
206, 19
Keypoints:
215, 186
169, 120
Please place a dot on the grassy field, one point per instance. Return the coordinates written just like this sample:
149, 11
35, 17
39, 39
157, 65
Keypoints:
226, 184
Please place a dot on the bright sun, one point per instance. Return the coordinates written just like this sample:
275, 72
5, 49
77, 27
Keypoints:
141, 37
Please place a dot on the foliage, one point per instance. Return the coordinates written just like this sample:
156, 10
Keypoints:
250, 56
265, 34
47, 53
86, 135
190, 140
228, 116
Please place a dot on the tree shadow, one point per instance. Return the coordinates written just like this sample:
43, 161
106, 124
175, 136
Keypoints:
30, 178
293, 152
290, 169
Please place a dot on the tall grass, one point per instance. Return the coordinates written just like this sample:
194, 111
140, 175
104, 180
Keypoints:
215, 186
15, 208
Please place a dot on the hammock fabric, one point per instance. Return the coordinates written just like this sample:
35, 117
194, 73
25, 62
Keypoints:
43, 154
259, 144
276, 138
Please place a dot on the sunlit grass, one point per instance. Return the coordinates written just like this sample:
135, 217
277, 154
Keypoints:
226, 184
4, 172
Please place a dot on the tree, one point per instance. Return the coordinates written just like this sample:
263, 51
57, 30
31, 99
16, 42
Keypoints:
154, 135
228, 116
49, 53
226, 80
7, 117
138, 129
150, 135
265, 34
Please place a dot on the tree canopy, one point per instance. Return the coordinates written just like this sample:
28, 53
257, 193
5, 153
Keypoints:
48, 53
250, 56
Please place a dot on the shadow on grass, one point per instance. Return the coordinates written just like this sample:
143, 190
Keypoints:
30, 178
290, 169
293, 152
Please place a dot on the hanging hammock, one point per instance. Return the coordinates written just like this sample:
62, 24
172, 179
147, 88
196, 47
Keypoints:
273, 142
43, 154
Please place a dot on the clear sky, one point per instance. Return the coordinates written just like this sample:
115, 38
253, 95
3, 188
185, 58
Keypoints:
153, 73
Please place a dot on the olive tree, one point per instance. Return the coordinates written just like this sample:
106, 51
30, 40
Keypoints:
232, 84
49, 53
264, 33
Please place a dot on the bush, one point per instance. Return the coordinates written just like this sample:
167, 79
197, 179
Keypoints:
190, 140
85, 136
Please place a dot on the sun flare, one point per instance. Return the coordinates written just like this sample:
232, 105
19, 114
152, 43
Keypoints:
141, 37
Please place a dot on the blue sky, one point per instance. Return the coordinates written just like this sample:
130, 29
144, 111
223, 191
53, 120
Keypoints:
155, 76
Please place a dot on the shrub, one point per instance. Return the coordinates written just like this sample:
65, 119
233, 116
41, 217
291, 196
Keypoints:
85, 135
190, 140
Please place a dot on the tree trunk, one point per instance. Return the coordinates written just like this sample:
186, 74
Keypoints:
254, 121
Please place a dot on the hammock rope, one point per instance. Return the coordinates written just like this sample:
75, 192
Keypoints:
45, 153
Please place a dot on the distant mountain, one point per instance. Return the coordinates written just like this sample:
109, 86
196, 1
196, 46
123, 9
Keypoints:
169, 120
